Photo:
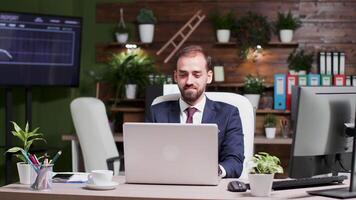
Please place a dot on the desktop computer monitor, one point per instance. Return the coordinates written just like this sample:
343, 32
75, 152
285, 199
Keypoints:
320, 145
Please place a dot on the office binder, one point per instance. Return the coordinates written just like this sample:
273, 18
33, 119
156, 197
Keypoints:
313, 79
292, 80
328, 63
322, 63
335, 62
326, 80
339, 80
348, 81
342, 63
302, 80
279, 91
353, 82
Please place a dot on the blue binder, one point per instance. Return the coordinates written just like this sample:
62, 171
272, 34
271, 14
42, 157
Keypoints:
313, 79
280, 92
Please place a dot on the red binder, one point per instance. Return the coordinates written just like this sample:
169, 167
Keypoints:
339, 80
291, 81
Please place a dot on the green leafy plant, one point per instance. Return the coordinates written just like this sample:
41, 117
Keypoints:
27, 137
251, 30
286, 21
264, 163
270, 121
131, 67
253, 84
221, 21
299, 60
145, 16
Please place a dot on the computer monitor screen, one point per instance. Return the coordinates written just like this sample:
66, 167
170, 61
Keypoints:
320, 145
39, 50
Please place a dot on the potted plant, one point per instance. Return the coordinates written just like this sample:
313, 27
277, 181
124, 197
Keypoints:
130, 70
251, 30
263, 168
121, 31
253, 87
121, 34
146, 21
223, 25
270, 123
27, 174
300, 62
285, 26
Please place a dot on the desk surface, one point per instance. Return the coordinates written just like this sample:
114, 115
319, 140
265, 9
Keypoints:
69, 191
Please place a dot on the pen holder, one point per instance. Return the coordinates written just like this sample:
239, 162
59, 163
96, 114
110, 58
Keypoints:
285, 130
44, 178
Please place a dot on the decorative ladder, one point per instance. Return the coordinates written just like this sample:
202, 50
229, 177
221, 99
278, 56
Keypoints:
191, 25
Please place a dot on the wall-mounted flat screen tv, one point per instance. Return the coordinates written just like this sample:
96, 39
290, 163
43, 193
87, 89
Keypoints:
39, 50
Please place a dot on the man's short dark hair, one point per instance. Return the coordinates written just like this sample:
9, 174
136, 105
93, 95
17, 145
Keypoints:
192, 50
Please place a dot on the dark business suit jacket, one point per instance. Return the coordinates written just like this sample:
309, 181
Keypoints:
227, 117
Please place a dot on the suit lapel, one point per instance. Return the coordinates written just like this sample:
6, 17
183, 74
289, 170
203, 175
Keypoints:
174, 113
209, 112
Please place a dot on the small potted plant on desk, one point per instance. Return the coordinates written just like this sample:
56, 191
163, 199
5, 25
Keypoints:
264, 166
223, 25
300, 62
253, 88
27, 174
270, 123
285, 26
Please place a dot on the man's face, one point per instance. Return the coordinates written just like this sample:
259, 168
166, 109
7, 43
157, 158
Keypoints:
192, 77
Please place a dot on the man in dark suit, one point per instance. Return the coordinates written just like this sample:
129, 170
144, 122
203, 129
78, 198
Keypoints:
192, 75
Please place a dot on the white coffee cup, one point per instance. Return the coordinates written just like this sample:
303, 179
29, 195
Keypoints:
100, 177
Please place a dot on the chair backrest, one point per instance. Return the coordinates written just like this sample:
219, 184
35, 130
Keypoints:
246, 115
93, 130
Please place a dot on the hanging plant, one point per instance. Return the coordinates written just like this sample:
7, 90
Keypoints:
251, 30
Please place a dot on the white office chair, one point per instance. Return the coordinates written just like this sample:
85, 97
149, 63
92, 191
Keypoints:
246, 115
95, 137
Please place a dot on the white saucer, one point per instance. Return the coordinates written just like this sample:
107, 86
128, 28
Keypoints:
109, 186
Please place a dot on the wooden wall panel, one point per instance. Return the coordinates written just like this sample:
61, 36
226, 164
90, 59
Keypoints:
327, 25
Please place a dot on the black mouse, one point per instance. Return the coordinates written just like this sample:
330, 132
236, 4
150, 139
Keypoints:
237, 186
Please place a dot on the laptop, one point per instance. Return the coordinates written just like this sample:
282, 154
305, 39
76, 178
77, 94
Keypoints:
171, 153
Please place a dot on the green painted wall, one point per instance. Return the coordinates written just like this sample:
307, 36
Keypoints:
51, 104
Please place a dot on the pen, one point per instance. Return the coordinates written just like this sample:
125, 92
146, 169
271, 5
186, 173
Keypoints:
55, 157
33, 160
29, 161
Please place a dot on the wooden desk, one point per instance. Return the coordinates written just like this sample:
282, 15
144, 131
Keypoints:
69, 191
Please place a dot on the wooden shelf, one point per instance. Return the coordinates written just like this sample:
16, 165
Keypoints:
271, 111
139, 44
280, 44
234, 85
277, 140
127, 109
270, 44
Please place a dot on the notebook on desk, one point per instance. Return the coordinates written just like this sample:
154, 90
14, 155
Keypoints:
162, 153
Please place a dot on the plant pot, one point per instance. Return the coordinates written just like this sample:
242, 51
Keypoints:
260, 184
270, 132
146, 32
122, 37
286, 35
219, 74
130, 90
223, 35
254, 99
27, 174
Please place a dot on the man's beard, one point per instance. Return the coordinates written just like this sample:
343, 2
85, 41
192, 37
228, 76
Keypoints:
191, 96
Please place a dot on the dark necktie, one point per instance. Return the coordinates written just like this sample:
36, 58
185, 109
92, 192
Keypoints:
190, 112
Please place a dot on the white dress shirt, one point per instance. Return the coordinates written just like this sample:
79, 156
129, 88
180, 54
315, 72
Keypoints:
197, 118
